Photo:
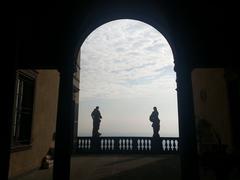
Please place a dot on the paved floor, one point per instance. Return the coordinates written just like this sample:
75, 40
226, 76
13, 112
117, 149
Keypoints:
117, 167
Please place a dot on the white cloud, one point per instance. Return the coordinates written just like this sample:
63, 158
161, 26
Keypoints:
124, 58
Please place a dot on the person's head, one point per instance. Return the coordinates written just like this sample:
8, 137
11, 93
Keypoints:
97, 107
155, 108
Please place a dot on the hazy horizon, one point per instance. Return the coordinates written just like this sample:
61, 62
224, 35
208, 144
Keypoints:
126, 70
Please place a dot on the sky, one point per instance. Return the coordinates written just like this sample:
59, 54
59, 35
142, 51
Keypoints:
126, 70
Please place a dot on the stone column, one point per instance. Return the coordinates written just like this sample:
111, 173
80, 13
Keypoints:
65, 122
7, 99
187, 134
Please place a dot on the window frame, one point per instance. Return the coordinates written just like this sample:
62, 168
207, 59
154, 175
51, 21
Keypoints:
23, 76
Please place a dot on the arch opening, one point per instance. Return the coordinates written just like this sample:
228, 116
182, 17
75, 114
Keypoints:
126, 69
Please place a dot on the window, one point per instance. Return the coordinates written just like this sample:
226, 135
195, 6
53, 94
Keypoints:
23, 109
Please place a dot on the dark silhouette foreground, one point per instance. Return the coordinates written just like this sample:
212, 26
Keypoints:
155, 122
96, 116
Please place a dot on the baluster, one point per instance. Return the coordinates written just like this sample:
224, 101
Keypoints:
112, 148
127, 144
105, 144
131, 141
123, 141
82, 145
86, 144
120, 144
143, 148
138, 144
102, 144
172, 147
176, 145
168, 147
146, 144
109, 144
89, 143
79, 143
149, 145
142, 145
164, 145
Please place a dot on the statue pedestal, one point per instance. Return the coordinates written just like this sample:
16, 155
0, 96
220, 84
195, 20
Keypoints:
95, 144
156, 145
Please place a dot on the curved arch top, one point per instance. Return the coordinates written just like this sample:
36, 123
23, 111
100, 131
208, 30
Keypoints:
137, 31
126, 20
90, 24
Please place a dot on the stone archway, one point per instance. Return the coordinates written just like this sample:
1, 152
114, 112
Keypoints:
184, 91
51, 33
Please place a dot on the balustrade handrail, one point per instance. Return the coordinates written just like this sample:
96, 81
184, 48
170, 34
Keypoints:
124, 144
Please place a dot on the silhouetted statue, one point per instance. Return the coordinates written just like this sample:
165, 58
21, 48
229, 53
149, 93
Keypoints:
155, 122
96, 116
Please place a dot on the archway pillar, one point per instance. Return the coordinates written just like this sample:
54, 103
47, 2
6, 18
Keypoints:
187, 133
65, 122
7, 101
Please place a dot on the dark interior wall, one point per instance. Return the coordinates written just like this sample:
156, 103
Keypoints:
48, 30
47, 35
233, 85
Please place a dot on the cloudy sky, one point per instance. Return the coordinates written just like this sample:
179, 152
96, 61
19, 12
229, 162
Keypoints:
126, 69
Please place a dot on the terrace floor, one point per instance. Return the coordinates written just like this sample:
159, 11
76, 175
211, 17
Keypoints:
116, 167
